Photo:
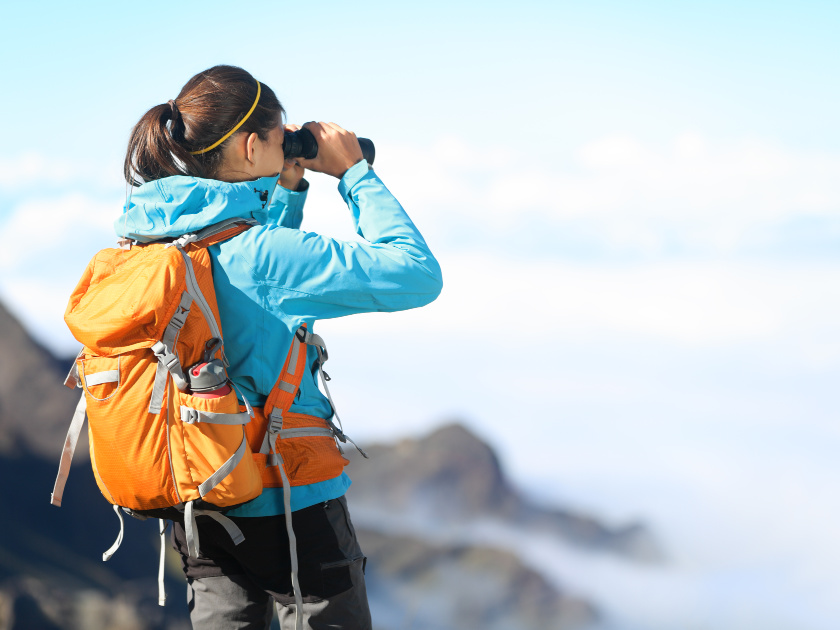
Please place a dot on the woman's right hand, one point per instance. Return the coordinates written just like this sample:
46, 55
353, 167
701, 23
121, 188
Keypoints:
338, 149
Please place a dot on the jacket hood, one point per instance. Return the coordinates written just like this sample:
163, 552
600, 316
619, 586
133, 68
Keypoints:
173, 206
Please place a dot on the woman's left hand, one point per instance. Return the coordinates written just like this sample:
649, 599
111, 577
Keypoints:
292, 170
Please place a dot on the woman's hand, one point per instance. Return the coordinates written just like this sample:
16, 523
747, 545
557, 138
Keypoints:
338, 149
292, 171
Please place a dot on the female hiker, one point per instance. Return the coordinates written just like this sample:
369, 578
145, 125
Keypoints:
216, 152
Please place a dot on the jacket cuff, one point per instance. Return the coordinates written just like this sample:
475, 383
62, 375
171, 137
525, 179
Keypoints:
352, 177
293, 199
286, 206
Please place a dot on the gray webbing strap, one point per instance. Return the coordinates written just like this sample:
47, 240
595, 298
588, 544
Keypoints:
100, 378
72, 381
107, 555
221, 226
225, 469
191, 530
248, 408
233, 531
67, 452
162, 564
191, 527
265, 449
293, 359
286, 434
275, 420
286, 387
193, 416
156, 400
167, 359
270, 439
194, 288
287, 510
275, 425
321, 348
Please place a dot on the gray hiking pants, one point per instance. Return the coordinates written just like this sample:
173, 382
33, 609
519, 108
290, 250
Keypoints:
233, 587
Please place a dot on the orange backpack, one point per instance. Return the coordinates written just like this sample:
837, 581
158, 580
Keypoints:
168, 438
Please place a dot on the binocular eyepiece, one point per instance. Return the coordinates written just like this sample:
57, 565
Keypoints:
302, 143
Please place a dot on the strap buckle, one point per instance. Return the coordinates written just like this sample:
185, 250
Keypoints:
179, 318
275, 420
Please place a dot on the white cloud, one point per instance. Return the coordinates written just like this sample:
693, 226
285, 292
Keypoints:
692, 190
49, 228
45, 244
23, 170
707, 301
689, 303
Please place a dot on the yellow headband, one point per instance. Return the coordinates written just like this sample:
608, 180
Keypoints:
232, 131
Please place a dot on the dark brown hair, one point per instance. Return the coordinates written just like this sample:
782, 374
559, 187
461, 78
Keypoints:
208, 107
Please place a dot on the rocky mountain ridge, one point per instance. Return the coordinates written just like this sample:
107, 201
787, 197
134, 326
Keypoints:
451, 477
51, 574
35, 409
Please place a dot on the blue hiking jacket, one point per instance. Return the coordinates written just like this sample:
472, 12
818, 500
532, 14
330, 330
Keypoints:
273, 277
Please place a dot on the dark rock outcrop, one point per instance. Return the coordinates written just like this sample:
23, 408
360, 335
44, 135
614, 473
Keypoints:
35, 408
471, 587
51, 569
452, 475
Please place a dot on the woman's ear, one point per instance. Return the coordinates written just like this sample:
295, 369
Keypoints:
251, 148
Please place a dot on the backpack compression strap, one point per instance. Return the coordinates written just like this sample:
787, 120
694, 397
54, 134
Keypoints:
282, 395
312, 339
165, 348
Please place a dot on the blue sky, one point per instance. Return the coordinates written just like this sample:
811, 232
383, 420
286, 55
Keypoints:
636, 205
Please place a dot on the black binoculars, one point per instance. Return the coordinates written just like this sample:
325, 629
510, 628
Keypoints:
302, 143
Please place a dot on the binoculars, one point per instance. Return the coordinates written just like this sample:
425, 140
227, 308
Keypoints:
302, 143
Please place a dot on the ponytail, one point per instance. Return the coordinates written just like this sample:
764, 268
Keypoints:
154, 152
169, 138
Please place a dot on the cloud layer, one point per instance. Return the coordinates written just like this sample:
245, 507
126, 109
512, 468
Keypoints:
622, 196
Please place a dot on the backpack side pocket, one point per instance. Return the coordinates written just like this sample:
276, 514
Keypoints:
211, 433
128, 444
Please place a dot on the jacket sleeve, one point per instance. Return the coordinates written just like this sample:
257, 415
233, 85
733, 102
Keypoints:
311, 276
286, 206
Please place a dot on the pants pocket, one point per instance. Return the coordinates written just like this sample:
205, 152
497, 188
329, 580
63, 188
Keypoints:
342, 574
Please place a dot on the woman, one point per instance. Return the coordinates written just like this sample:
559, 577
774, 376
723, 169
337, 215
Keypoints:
214, 153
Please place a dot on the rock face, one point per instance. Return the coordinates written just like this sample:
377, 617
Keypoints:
35, 409
415, 584
450, 468
452, 476
51, 569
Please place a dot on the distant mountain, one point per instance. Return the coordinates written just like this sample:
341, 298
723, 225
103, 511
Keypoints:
51, 569
450, 476
425, 586
35, 409
51, 565
51, 574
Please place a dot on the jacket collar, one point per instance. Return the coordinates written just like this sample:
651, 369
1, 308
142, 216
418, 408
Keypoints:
173, 206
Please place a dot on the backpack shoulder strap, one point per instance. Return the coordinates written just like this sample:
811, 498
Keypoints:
282, 395
215, 233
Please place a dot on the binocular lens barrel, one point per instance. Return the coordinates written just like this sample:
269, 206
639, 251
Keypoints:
302, 143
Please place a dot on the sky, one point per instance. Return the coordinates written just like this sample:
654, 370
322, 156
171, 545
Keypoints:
637, 211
